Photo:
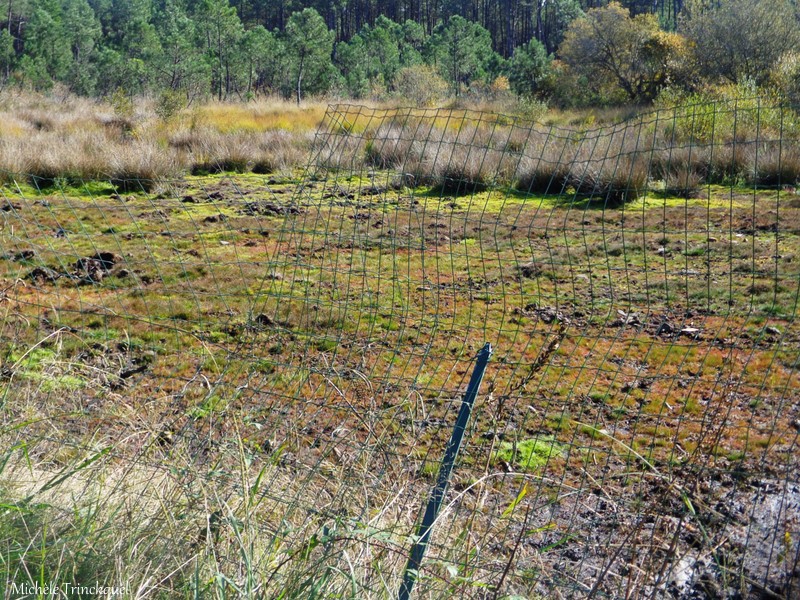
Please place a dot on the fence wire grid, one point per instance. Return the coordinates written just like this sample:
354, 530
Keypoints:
264, 370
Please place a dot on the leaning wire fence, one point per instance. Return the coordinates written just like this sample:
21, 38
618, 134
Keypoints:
264, 370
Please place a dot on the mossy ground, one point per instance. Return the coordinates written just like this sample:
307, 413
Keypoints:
334, 321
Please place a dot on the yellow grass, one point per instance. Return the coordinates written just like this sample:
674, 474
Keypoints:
266, 115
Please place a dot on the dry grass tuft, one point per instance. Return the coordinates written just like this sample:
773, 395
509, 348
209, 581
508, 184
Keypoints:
50, 142
774, 164
684, 182
142, 166
614, 182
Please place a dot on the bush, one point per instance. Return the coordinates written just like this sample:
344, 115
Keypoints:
741, 40
169, 104
785, 77
421, 85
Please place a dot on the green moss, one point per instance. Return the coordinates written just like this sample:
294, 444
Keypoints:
529, 455
210, 405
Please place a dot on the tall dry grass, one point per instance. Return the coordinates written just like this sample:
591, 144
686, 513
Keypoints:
50, 140
677, 151
67, 140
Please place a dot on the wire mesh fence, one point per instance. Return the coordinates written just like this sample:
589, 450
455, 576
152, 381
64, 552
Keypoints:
252, 378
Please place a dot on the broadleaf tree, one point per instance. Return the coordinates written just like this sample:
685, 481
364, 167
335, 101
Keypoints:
631, 57
741, 39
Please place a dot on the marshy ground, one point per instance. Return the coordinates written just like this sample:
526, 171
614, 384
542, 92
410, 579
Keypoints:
250, 379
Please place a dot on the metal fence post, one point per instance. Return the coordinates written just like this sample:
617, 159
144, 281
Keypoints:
437, 495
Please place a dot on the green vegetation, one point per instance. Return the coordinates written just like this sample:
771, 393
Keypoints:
223, 376
565, 52
529, 455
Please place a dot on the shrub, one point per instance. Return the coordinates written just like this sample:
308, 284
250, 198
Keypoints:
786, 77
421, 85
169, 104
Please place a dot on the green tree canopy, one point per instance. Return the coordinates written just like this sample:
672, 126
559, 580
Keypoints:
46, 43
221, 32
309, 45
554, 18
265, 55
633, 54
83, 33
181, 65
462, 50
353, 62
528, 67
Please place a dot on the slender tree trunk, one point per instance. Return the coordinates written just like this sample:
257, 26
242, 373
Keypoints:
250, 76
221, 69
300, 77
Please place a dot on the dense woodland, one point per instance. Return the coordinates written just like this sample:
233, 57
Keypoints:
567, 52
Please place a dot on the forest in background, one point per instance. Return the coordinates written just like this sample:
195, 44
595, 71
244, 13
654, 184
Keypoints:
567, 53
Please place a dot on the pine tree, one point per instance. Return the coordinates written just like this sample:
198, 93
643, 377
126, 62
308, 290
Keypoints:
221, 32
528, 67
46, 46
309, 45
266, 58
181, 65
83, 32
462, 50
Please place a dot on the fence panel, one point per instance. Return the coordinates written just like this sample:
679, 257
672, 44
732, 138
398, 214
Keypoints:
269, 368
